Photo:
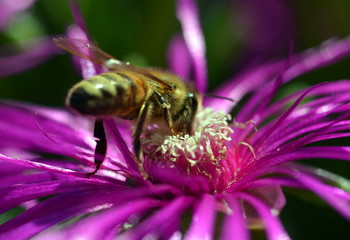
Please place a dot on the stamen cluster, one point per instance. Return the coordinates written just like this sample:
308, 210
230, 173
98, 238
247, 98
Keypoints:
202, 153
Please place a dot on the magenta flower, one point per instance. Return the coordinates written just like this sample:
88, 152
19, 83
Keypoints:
226, 177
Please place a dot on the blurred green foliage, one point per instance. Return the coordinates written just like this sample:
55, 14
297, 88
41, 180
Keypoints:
140, 30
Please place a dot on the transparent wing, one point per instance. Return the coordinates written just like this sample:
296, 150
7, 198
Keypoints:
89, 50
83, 48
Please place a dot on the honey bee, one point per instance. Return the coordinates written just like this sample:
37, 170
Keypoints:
130, 92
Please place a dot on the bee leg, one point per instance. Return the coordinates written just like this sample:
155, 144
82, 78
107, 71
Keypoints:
101, 146
169, 120
137, 133
167, 115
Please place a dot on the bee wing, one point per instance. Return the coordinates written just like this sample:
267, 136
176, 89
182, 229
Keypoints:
83, 48
89, 50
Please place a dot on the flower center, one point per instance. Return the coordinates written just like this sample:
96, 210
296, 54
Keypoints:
203, 153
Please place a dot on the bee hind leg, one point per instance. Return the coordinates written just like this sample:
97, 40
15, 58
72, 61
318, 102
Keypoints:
101, 146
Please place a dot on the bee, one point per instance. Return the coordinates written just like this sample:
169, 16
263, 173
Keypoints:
130, 92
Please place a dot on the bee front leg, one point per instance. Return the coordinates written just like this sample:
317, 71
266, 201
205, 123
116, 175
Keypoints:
169, 120
166, 111
101, 146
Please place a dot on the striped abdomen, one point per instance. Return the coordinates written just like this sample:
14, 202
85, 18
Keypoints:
112, 93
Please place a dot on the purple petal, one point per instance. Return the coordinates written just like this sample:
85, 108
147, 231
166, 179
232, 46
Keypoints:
188, 16
15, 195
269, 181
88, 68
61, 168
157, 223
266, 25
315, 126
271, 195
235, 226
250, 80
296, 144
42, 166
265, 165
327, 53
9, 8
79, 31
324, 175
306, 120
99, 225
335, 152
324, 98
37, 52
274, 127
179, 58
329, 93
72, 204
191, 184
52, 211
14, 174
49, 130
203, 219
118, 140
79, 20
273, 226
336, 197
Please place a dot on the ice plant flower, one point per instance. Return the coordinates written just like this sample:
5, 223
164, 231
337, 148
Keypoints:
227, 169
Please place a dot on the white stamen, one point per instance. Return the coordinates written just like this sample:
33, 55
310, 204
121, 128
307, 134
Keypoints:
207, 144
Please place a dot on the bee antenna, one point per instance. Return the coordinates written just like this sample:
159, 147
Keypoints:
220, 97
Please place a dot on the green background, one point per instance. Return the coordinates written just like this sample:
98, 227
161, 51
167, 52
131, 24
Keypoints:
139, 31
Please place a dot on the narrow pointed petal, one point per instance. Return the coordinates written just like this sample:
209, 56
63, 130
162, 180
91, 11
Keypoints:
49, 130
188, 16
9, 8
203, 220
118, 140
267, 28
79, 31
42, 166
50, 212
235, 226
37, 52
283, 116
157, 223
98, 226
88, 69
250, 80
14, 195
336, 197
273, 226
79, 19
193, 184
179, 58
71, 204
